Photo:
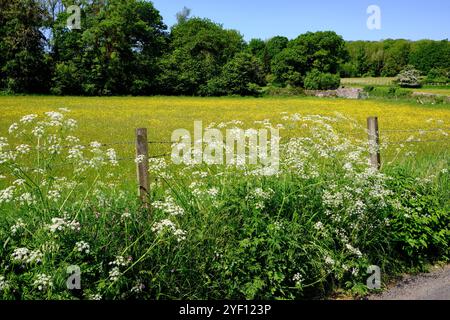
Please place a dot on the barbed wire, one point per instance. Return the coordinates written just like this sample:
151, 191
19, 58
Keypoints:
415, 130
416, 141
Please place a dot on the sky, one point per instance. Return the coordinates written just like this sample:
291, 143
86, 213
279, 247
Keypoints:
406, 19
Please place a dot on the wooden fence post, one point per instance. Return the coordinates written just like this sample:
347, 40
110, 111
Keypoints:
374, 142
142, 164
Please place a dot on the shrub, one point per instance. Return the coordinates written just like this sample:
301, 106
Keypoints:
242, 76
316, 80
409, 78
439, 76
421, 226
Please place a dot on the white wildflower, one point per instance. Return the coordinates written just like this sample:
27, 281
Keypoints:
140, 159
114, 274
28, 118
169, 206
14, 127
61, 224
319, 226
82, 247
4, 285
353, 250
7, 195
23, 149
298, 279
18, 226
119, 262
329, 261
43, 282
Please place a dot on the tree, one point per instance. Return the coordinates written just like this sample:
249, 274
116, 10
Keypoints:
426, 55
199, 49
116, 52
323, 51
23, 66
409, 78
183, 15
241, 75
257, 47
289, 67
396, 57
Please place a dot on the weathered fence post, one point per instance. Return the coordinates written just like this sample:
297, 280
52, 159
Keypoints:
374, 142
142, 164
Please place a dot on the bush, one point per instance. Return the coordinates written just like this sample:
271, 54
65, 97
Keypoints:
438, 76
243, 76
286, 91
409, 78
421, 226
315, 80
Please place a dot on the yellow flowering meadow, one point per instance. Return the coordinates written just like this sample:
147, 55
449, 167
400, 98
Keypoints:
113, 119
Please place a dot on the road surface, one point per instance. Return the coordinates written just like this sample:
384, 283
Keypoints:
428, 286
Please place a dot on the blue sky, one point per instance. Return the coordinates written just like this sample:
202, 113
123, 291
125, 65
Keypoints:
408, 19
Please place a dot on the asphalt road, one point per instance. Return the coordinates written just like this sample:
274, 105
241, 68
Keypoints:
428, 286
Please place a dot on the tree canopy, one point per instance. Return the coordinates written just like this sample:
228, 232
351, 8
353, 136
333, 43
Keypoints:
124, 47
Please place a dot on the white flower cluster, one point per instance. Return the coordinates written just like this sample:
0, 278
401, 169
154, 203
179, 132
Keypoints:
115, 273
319, 226
4, 285
43, 282
24, 255
259, 197
168, 226
169, 206
157, 165
95, 297
353, 250
18, 226
7, 195
82, 247
298, 279
61, 224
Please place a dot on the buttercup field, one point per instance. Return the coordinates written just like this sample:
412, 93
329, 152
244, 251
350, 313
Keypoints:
150, 153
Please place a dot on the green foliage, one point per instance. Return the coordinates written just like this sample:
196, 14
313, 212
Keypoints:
23, 64
387, 58
96, 64
199, 50
323, 51
388, 92
242, 75
421, 226
316, 80
426, 55
439, 76
123, 48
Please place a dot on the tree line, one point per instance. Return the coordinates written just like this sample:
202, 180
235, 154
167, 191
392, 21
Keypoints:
124, 47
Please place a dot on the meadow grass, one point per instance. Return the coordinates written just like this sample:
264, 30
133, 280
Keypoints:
368, 81
114, 119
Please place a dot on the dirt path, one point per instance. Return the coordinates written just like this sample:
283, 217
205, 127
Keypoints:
428, 286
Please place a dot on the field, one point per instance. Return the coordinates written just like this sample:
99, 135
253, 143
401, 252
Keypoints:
387, 81
369, 81
111, 120
217, 232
